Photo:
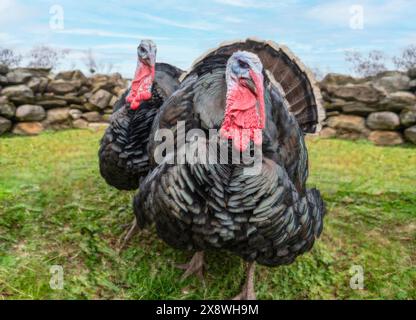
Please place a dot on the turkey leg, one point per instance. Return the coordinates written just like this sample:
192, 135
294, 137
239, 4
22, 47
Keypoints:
132, 231
195, 266
248, 292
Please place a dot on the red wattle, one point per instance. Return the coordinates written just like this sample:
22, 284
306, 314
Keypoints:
141, 87
244, 115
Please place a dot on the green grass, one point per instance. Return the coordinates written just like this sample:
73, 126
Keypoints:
56, 210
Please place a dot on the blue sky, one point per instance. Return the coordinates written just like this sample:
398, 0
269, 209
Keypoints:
319, 32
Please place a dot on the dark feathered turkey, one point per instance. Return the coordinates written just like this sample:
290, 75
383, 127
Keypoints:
270, 217
123, 154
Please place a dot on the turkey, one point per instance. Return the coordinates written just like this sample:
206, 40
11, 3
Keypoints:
250, 98
123, 157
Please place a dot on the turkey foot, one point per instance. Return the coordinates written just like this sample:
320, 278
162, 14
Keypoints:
195, 266
131, 232
248, 293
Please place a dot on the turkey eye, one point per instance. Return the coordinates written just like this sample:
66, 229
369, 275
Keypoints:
243, 64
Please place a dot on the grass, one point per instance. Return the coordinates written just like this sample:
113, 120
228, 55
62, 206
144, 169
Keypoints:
56, 210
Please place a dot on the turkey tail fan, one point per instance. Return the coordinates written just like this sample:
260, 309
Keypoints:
165, 76
287, 73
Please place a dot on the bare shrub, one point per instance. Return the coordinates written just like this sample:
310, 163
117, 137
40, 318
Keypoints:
94, 66
90, 62
9, 57
407, 58
43, 56
318, 73
365, 66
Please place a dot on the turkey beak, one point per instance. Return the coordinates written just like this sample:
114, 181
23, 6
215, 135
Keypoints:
249, 83
149, 59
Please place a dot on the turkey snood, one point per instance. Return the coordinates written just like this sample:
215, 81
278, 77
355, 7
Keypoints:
244, 113
141, 87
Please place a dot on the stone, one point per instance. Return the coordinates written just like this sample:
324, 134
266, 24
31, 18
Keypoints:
385, 138
358, 108
101, 99
351, 135
113, 101
398, 100
35, 72
75, 114
334, 104
28, 128
119, 91
19, 93
5, 125
72, 75
394, 81
54, 103
80, 124
58, 100
57, 115
412, 85
335, 79
347, 122
38, 85
410, 134
83, 90
408, 117
357, 92
58, 125
71, 99
63, 86
28, 112
4, 69
77, 106
332, 113
18, 76
328, 133
411, 73
385, 120
3, 80
110, 111
7, 110
93, 116
90, 107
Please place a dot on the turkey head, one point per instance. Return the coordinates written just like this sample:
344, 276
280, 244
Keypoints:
244, 113
141, 87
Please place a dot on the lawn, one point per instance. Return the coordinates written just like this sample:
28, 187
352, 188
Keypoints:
56, 210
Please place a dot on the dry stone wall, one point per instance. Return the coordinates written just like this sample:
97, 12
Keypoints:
32, 100
381, 109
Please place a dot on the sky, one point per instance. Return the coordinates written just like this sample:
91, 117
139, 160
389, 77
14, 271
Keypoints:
319, 32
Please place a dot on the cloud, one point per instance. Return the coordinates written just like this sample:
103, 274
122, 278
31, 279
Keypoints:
194, 25
256, 4
8, 40
13, 12
104, 33
246, 3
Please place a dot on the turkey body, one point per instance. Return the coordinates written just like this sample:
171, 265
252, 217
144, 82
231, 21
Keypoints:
269, 217
123, 156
